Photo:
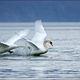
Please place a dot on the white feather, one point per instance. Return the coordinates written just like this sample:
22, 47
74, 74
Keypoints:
9, 45
16, 37
39, 36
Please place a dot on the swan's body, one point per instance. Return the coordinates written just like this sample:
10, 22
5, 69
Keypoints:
39, 44
10, 44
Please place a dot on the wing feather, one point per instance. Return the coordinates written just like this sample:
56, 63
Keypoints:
5, 48
31, 44
40, 34
16, 37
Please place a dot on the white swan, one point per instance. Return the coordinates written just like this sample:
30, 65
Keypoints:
9, 45
39, 44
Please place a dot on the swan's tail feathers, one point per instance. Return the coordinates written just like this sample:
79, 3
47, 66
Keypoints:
17, 37
3, 46
6, 48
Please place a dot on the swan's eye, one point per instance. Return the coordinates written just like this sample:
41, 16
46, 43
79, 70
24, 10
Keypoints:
51, 43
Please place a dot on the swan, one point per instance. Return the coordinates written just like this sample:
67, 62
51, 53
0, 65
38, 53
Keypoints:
39, 44
9, 45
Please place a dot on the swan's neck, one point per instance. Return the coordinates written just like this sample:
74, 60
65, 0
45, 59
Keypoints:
46, 45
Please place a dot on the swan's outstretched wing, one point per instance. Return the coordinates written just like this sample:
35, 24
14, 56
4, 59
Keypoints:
16, 37
30, 44
40, 35
5, 48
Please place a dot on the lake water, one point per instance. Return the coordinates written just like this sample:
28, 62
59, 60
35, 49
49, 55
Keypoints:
60, 63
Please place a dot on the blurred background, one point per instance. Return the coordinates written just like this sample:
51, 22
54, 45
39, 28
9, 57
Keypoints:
46, 10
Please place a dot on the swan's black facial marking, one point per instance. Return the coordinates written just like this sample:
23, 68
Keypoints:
51, 43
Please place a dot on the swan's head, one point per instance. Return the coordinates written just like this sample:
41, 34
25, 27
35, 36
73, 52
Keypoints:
48, 44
